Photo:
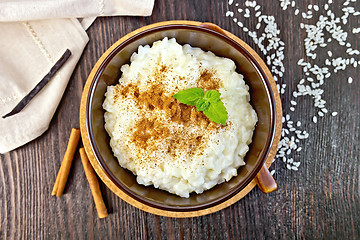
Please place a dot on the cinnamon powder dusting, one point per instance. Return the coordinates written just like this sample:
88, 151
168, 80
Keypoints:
149, 132
207, 81
147, 129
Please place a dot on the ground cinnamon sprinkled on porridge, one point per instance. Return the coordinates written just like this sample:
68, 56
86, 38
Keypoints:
207, 81
157, 98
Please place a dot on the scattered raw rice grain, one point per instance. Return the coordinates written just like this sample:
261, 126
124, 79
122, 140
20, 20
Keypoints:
315, 119
266, 36
229, 14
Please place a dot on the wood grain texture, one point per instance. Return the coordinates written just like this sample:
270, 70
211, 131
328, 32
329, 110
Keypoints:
320, 201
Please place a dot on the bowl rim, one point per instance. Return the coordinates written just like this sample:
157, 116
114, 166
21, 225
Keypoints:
234, 190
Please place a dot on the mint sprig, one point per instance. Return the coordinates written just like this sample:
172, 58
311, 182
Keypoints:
209, 103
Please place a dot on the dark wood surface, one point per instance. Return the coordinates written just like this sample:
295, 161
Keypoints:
320, 201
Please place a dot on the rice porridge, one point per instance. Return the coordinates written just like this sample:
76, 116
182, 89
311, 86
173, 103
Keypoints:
169, 144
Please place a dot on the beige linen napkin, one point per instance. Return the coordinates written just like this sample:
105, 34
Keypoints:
29, 49
26, 10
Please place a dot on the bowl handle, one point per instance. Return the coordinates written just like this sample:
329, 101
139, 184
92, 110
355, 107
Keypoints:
265, 180
213, 27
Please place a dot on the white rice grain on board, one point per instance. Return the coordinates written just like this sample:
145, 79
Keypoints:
265, 35
314, 119
229, 13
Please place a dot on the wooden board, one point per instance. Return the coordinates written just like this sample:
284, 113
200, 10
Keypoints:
157, 211
319, 201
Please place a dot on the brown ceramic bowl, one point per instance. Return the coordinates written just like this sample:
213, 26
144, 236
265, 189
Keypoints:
209, 38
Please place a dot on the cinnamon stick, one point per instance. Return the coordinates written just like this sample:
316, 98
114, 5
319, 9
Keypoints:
63, 173
56, 185
94, 185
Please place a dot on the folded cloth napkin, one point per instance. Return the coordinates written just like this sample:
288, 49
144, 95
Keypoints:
26, 10
29, 49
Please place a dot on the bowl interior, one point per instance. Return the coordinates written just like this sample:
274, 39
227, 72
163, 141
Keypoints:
261, 99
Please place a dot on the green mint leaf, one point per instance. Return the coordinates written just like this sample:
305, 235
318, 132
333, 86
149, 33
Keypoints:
212, 96
202, 104
217, 112
209, 103
189, 96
